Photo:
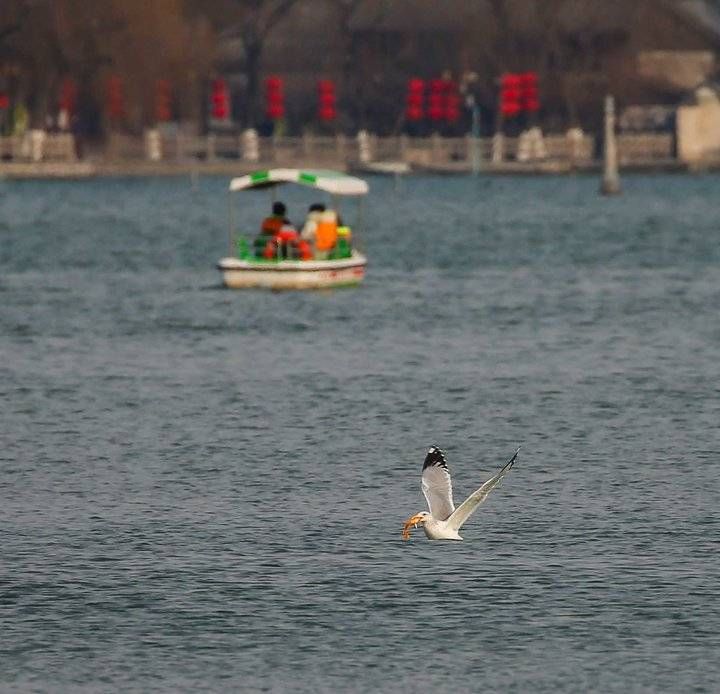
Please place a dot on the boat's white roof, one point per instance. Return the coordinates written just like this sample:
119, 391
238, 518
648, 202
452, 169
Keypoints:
332, 182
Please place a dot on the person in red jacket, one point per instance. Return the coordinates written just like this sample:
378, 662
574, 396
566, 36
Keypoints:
271, 225
274, 232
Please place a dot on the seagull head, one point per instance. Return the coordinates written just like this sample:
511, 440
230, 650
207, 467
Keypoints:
413, 522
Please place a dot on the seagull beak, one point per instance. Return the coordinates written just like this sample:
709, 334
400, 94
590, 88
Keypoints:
410, 523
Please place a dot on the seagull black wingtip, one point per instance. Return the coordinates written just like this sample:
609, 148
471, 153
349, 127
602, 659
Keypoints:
435, 457
512, 460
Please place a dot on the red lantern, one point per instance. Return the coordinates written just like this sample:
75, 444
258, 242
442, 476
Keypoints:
4, 100
451, 101
415, 101
510, 94
274, 98
530, 100
414, 113
436, 100
220, 100
326, 100
275, 111
452, 107
163, 101
115, 98
436, 107
274, 84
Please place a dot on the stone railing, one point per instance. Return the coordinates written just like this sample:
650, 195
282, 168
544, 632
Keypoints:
341, 149
645, 147
571, 148
37, 146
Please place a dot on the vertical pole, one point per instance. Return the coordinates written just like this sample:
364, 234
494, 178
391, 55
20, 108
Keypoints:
611, 176
476, 156
360, 225
498, 141
231, 224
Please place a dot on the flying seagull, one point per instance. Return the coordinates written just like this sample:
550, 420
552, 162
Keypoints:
444, 520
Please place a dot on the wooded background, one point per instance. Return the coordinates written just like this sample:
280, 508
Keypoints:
581, 49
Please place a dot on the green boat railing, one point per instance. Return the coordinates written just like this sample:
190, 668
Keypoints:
253, 249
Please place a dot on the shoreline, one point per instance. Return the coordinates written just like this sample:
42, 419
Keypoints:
81, 170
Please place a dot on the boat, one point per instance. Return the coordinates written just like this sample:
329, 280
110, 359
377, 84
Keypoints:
279, 265
383, 168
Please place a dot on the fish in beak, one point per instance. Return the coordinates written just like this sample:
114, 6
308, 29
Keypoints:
411, 522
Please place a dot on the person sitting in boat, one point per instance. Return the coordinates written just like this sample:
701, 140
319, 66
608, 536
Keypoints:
321, 230
327, 233
270, 227
309, 229
343, 248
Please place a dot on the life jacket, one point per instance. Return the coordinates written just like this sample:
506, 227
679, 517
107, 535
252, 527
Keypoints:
271, 225
286, 234
304, 250
270, 250
279, 244
326, 232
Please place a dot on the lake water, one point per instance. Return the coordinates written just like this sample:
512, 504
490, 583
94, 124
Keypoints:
203, 490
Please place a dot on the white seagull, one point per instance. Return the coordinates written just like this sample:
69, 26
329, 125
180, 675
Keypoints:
444, 520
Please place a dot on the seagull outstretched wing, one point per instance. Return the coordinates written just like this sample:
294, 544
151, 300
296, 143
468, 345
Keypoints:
437, 485
466, 509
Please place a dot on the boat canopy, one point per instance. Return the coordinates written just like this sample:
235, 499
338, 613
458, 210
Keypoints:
332, 182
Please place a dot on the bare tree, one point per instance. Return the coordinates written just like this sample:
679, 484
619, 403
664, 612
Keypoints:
565, 41
13, 14
353, 76
32, 48
252, 21
158, 42
260, 16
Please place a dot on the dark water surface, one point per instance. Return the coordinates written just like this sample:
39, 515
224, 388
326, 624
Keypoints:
202, 490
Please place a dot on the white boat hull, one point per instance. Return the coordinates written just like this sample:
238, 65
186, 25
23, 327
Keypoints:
293, 274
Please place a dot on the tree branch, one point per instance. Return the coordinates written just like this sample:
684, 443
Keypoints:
275, 15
